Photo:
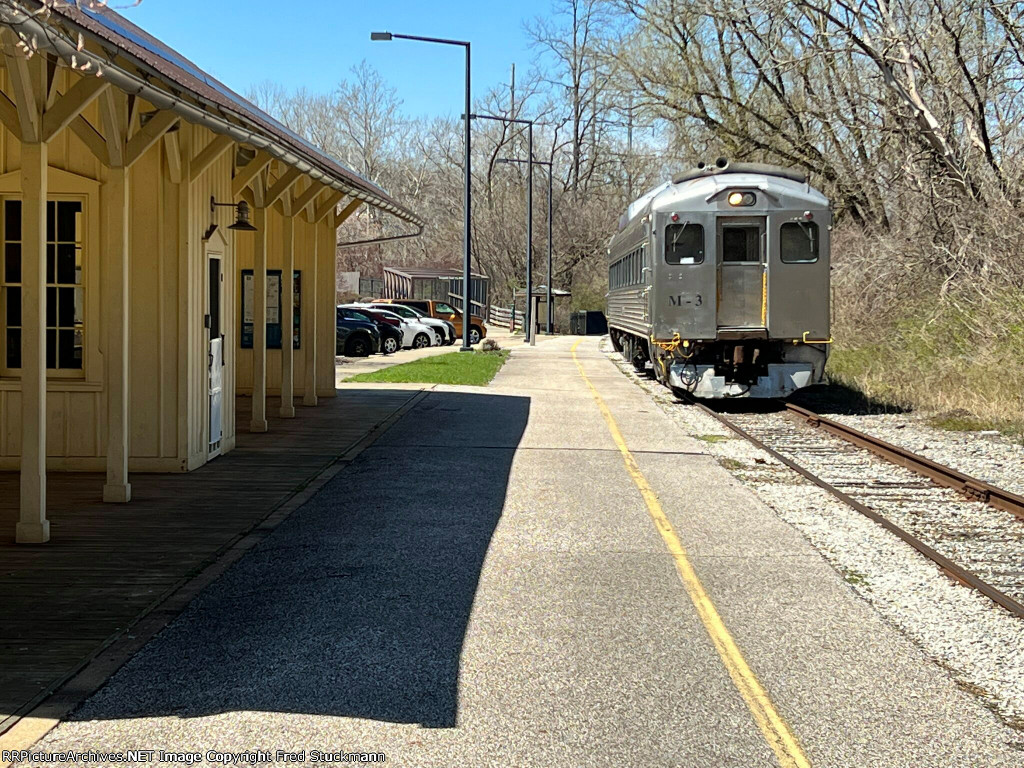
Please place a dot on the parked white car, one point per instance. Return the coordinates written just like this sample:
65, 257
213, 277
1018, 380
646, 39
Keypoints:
440, 328
415, 334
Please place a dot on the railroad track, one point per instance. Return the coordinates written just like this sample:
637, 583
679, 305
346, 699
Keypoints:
935, 509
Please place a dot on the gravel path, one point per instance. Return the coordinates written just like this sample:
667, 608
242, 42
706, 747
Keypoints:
981, 645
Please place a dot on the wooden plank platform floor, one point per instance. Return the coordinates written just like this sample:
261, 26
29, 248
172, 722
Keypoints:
107, 563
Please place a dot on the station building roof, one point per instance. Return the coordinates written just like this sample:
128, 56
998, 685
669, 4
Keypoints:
139, 63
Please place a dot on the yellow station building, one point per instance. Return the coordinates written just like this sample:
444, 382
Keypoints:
132, 310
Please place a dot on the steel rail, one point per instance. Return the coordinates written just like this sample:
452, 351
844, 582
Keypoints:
951, 569
972, 487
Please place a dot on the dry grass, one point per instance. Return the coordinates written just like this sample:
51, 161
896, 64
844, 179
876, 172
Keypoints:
919, 328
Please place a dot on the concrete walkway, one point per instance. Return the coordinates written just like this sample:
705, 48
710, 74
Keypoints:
485, 586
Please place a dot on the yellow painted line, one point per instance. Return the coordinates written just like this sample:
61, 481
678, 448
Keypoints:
776, 732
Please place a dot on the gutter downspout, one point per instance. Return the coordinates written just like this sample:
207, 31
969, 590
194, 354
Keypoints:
417, 233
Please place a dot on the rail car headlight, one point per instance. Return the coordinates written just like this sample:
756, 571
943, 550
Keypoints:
742, 199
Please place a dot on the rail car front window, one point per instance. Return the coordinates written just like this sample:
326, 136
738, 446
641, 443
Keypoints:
798, 242
684, 243
741, 244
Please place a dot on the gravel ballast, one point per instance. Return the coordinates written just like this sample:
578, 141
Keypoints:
986, 455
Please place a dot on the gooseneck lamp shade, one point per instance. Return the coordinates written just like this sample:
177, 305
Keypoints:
242, 222
380, 35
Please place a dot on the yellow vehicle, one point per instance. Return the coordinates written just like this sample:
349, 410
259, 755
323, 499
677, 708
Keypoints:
443, 311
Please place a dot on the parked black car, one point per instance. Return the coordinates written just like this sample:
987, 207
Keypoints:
357, 336
390, 332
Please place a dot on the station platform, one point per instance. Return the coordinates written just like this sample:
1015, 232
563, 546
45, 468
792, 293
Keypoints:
545, 571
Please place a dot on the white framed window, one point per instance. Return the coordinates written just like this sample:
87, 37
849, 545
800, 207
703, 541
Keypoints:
72, 311
65, 289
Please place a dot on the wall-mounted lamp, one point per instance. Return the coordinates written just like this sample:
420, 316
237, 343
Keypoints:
242, 223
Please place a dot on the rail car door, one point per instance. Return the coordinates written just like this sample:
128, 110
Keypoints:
742, 290
798, 275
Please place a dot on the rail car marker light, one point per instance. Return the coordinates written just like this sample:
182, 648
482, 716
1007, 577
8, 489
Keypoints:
808, 215
675, 217
737, 199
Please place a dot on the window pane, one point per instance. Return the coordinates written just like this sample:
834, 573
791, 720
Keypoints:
798, 242
684, 243
12, 220
12, 263
66, 307
740, 244
66, 220
12, 304
51, 263
51, 307
51, 349
66, 267
69, 353
51, 224
14, 348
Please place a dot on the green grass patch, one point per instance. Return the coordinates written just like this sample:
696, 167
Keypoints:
732, 464
960, 423
855, 577
474, 369
712, 438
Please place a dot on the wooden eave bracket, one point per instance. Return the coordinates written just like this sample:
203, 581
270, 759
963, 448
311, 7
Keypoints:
244, 175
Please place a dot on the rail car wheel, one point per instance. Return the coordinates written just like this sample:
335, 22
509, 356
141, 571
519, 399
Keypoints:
616, 342
638, 356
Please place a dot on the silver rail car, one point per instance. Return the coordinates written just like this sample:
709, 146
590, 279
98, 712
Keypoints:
720, 281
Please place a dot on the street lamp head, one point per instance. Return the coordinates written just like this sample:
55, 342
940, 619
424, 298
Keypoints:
380, 35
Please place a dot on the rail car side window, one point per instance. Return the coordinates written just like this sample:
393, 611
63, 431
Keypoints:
684, 243
798, 242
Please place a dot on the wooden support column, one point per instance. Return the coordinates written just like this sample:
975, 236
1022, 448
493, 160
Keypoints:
259, 331
287, 410
33, 527
114, 203
327, 372
309, 303
114, 199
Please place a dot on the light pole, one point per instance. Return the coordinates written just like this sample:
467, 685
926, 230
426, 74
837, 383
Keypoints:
528, 315
467, 304
550, 322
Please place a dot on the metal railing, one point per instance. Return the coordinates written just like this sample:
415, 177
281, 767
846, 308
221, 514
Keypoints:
503, 317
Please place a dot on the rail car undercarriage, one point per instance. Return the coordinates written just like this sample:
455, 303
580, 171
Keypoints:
749, 367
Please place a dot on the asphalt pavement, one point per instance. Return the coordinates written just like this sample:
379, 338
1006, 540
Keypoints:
485, 585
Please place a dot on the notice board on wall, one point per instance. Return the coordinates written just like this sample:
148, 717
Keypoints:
275, 311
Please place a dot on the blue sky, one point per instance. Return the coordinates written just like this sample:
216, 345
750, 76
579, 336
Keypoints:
313, 43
